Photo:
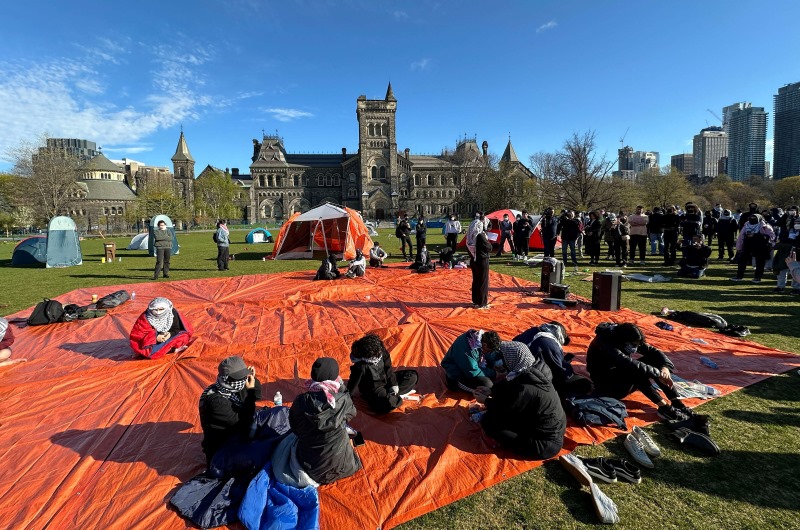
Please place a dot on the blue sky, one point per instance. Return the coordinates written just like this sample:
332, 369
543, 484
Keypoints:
127, 75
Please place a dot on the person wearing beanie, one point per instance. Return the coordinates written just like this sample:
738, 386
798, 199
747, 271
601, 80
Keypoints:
227, 406
523, 411
616, 374
372, 374
470, 360
160, 330
546, 342
6, 340
318, 418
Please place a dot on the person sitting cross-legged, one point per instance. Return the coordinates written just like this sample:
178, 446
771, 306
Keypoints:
357, 266
160, 330
616, 374
372, 374
470, 361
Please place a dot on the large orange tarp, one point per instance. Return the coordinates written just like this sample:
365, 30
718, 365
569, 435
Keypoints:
92, 437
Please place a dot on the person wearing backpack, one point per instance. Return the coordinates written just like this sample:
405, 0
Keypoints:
754, 241
160, 330
616, 374
163, 246
222, 238
6, 340
403, 233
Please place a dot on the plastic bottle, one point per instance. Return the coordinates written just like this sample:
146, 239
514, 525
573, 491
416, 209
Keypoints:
278, 399
708, 362
133, 295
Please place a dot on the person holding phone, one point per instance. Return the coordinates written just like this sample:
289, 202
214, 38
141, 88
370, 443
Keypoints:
160, 330
794, 270
227, 406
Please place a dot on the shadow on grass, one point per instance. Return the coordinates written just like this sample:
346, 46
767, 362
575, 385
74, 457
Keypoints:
780, 416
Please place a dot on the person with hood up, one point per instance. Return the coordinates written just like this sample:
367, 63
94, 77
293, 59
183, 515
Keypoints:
523, 412
318, 417
6, 340
471, 359
726, 234
480, 249
452, 228
223, 240
752, 208
616, 374
372, 374
357, 266
227, 407
754, 241
421, 231
788, 240
592, 238
160, 330
546, 342
548, 226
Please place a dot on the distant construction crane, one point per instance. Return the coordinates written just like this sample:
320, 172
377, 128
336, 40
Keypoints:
622, 139
715, 115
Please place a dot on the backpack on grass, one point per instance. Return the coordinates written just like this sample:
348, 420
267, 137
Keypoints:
46, 312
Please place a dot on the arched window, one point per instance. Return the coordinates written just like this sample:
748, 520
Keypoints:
383, 172
352, 178
372, 129
352, 193
180, 171
261, 180
416, 179
270, 181
430, 180
296, 180
438, 194
374, 172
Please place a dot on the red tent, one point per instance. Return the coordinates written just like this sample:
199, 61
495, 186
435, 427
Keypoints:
325, 229
534, 243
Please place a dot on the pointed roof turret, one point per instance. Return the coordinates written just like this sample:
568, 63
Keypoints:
182, 152
509, 155
389, 93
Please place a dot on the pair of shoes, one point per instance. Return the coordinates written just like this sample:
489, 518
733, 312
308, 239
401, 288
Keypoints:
779, 289
600, 469
637, 452
756, 280
648, 444
625, 470
166, 276
603, 505
736, 279
576, 468
670, 413
697, 423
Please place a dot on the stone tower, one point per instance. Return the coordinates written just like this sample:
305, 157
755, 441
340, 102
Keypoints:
377, 150
183, 166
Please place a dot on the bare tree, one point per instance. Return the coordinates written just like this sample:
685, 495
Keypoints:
50, 174
664, 187
214, 194
159, 197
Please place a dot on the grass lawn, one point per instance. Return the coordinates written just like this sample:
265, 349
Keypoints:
754, 483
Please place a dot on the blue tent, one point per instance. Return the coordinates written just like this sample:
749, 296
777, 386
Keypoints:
30, 251
63, 243
151, 244
258, 235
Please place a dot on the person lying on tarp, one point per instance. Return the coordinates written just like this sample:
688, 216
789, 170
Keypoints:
357, 266
616, 374
546, 342
228, 405
695, 258
523, 411
423, 260
319, 419
328, 269
470, 361
160, 330
6, 340
372, 373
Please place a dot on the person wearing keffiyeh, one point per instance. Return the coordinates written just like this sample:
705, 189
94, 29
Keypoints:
523, 412
228, 405
319, 418
372, 374
6, 340
160, 330
470, 360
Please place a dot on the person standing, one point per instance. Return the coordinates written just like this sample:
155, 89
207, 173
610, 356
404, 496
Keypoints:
480, 249
403, 233
754, 241
163, 246
549, 231
655, 231
671, 225
788, 239
726, 234
223, 240
638, 222
570, 228
422, 231
452, 228
506, 234
592, 238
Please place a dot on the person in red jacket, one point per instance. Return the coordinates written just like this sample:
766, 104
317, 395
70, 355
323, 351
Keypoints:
6, 340
160, 330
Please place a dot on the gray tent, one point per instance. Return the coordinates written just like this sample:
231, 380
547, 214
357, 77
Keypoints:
151, 240
139, 242
63, 243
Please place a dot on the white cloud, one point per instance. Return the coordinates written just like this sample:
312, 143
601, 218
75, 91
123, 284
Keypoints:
131, 149
547, 26
287, 114
420, 65
400, 15
769, 151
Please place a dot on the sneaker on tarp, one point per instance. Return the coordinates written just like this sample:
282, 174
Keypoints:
634, 447
625, 470
604, 507
575, 467
599, 469
648, 444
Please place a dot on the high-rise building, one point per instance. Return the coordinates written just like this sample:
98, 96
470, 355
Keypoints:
81, 149
683, 163
747, 137
625, 160
636, 161
727, 114
786, 158
767, 172
707, 148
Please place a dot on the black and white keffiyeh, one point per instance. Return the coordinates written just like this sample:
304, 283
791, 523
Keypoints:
229, 388
162, 322
3, 327
517, 357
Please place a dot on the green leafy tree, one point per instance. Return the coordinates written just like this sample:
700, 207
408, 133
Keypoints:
786, 191
214, 195
663, 187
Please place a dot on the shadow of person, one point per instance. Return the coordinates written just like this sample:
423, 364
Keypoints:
112, 349
161, 446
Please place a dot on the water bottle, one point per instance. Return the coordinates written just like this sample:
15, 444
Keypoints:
278, 399
708, 362
133, 295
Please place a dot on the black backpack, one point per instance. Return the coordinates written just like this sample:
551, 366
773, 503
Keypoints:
214, 237
113, 300
46, 312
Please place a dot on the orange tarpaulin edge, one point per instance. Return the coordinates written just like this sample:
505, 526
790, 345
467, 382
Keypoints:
91, 436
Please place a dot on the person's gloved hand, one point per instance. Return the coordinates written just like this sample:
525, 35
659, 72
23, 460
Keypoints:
395, 390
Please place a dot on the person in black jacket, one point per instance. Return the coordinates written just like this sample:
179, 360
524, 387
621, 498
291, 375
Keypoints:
549, 230
227, 406
328, 269
671, 226
480, 249
616, 374
372, 373
726, 234
506, 234
423, 260
695, 258
421, 232
319, 419
569, 228
524, 412
403, 233
546, 342
655, 231
591, 238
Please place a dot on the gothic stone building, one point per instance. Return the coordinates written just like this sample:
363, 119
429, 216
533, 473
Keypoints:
378, 180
